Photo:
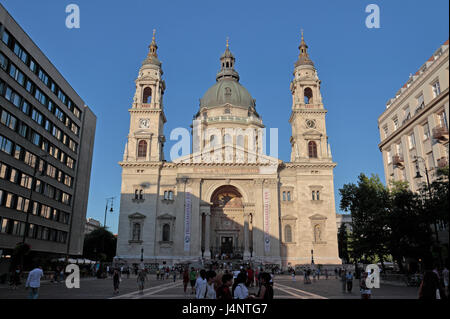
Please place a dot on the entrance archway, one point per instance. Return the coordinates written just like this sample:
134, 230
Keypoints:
227, 221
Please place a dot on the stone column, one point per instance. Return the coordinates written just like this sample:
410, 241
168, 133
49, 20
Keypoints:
246, 236
207, 253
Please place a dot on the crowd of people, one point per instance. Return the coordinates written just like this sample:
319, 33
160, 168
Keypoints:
224, 284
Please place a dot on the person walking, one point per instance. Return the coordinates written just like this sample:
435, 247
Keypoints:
141, 278
326, 274
293, 275
366, 293
240, 291
185, 279
429, 287
116, 280
199, 283
349, 279
15, 281
343, 280
34, 282
266, 290
445, 278
224, 291
207, 290
192, 278
174, 275
335, 273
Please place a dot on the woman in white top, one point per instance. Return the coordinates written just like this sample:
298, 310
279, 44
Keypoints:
240, 290
200, 285
207, 291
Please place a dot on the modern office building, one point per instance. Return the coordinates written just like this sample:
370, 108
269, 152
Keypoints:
46, 145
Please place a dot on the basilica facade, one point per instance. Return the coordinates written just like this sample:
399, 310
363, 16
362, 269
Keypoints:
227, 199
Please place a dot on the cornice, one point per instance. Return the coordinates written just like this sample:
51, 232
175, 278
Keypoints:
413, 120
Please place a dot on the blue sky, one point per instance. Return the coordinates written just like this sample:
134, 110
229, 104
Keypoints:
360, 68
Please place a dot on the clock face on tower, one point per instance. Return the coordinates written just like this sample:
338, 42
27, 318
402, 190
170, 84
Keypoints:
144, 123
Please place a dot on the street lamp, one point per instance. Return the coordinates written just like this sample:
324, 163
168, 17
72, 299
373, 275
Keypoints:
108, 200
418, 175
312, 257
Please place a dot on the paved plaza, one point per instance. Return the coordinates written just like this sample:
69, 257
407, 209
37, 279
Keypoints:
284, 288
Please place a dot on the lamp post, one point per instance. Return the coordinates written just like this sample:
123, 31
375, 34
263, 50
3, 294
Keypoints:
108, 200
418, 175
312, 257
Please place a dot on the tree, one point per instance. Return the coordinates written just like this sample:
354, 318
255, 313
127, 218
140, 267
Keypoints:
343, 243
100, 245
409, 233
367, 201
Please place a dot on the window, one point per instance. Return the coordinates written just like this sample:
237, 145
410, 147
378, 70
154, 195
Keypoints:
317, 195
3, 62
8, 120
288, 234
385, 129
436, 89
426, 131
308, 96
5, 145
170, 195
141, 194
136, 231
288, 196
395, 120
166, 232
312, 149
142, 149
240, 141
442, 119
18, 152
13, 176
3, 170
147, 95
420, 101
284, 196
37, 116
26, 181
227, 139
6, 37
313, 195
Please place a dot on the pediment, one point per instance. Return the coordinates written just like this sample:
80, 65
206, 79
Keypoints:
228, 154
312, 132
136, 216
166, 216
317, 217
289, 217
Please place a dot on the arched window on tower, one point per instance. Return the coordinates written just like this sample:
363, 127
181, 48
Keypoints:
288, 234
142, 149
312, 149
308, 96
166, 232
147, 96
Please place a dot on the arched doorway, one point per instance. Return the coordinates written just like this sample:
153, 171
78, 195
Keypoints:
227, 221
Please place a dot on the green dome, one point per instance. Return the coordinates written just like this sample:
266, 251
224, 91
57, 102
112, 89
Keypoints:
227, 90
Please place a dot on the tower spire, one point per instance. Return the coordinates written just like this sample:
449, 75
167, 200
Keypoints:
227, 62
303, 57
152, 56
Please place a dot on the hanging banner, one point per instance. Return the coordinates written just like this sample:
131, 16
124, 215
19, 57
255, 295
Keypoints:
187, 221
266, 195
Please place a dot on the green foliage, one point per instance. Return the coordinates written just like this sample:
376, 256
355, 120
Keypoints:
343, 244
100, 245
392, 221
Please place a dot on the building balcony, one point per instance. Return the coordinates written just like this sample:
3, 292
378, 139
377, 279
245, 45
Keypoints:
440, 133
398, 160
442, 162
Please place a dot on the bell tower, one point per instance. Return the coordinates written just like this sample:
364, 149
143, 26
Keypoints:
309, 141
146, 136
